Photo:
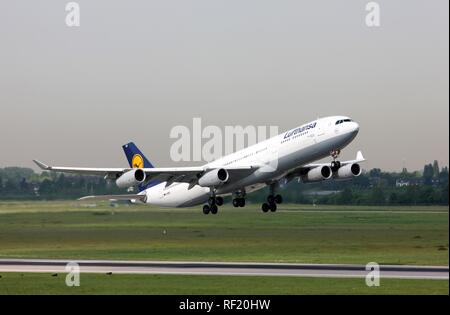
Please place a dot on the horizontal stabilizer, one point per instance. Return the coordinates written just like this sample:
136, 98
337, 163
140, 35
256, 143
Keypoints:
114, 197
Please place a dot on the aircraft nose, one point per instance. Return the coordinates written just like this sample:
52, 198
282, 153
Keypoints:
354, 128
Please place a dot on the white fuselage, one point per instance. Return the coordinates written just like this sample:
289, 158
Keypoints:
275, 157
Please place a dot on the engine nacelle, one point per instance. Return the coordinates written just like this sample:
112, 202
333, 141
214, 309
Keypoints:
348, 171
131, 178
214, 178
317, 174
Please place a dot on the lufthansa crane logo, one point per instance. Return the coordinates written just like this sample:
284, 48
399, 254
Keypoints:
137, 161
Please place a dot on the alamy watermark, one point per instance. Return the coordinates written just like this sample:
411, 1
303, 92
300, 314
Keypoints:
372, 18
73, 14
73, 274
373, 14
373, 276
212, 142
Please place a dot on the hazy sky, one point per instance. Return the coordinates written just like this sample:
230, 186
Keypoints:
135, 69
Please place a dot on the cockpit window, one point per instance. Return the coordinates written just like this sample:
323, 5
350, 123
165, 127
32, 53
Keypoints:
342, 120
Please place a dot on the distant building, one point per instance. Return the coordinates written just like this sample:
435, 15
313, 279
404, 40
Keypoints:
402, 183
435, 182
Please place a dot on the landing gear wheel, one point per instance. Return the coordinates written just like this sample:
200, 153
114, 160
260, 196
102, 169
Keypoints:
219, 201
206, 209
335, 154
278, 199
213, 209
273, 207
265, 207
335, 165
238, 202
270, 199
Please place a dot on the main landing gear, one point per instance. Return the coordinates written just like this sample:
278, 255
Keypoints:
239, 202
272, 201
213, 204
239, 199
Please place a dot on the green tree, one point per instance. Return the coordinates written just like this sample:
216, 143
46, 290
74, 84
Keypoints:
394, 198
345, 197
375, 172
444, 194
435, 169
46, 188
428, 174
443, 176
378, 195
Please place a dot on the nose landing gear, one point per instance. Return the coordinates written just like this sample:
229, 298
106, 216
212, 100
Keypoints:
335, 165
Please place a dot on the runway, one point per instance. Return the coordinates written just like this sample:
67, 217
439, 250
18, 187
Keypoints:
224, 268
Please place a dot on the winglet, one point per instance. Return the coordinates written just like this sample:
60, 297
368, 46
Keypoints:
359, 156
42, 165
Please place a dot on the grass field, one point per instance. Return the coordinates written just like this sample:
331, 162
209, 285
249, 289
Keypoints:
306, 234
35, 283
295, 233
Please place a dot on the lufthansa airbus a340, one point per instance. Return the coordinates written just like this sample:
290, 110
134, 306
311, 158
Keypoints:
268, 163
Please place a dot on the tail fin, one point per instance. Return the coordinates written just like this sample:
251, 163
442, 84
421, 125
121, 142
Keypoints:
135, 157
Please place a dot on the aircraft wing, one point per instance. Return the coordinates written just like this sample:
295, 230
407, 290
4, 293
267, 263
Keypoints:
359, 158
163, 174
305, 168
83, 170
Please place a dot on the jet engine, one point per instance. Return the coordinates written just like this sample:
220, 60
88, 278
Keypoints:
131, 178
214, 178
317, 174
348, 171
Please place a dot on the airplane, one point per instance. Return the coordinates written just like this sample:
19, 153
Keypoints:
271, 162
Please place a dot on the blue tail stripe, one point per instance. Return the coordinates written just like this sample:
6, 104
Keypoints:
131, 150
